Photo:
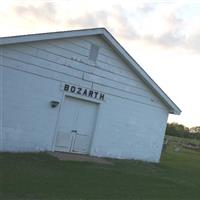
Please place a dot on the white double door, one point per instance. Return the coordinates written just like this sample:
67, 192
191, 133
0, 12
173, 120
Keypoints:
76, 125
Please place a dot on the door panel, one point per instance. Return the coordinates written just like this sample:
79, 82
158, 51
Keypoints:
86, 118
76, 124
81, 144
63, 141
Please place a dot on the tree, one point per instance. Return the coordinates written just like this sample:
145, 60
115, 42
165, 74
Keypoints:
176, 129
195, 129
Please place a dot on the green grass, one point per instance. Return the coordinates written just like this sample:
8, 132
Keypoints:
41, 176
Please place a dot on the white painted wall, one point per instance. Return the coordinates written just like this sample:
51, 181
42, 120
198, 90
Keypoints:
1, 100
131, 122
127, 129
29, 121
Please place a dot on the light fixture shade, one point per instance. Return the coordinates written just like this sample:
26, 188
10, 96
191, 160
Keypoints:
54, 104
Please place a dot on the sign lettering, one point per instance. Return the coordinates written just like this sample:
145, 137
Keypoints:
84, 92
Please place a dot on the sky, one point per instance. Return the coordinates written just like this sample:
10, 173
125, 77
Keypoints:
163, 36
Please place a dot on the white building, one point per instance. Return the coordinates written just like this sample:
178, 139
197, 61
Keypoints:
81, 92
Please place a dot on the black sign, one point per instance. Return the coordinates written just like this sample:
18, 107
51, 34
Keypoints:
84, 92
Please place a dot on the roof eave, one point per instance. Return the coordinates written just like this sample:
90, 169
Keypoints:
172, 107
50, 36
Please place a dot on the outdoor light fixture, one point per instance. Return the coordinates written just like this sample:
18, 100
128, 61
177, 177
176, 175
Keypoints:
54, 104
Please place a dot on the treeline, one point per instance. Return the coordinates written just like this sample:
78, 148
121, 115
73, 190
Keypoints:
180, 130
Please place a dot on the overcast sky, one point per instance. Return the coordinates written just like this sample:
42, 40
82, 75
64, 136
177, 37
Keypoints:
162, 36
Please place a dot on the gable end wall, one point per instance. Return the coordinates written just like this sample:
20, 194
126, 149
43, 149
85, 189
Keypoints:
37, 68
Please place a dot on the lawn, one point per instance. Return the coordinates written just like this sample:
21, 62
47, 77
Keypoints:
41, 176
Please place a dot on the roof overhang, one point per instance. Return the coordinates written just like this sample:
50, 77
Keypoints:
173, 108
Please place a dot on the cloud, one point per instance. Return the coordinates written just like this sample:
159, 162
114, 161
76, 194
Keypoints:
89, 19
123, 26
44, 11
146, 7
173, 36
114, 20
193, 42
151, 23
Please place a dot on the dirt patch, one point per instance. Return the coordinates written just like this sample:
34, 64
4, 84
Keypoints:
79, 157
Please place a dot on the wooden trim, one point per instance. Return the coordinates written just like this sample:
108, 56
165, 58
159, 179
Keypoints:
67, 94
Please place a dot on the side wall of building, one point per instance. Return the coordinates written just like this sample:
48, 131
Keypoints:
1, 100
129, 133
131, 120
